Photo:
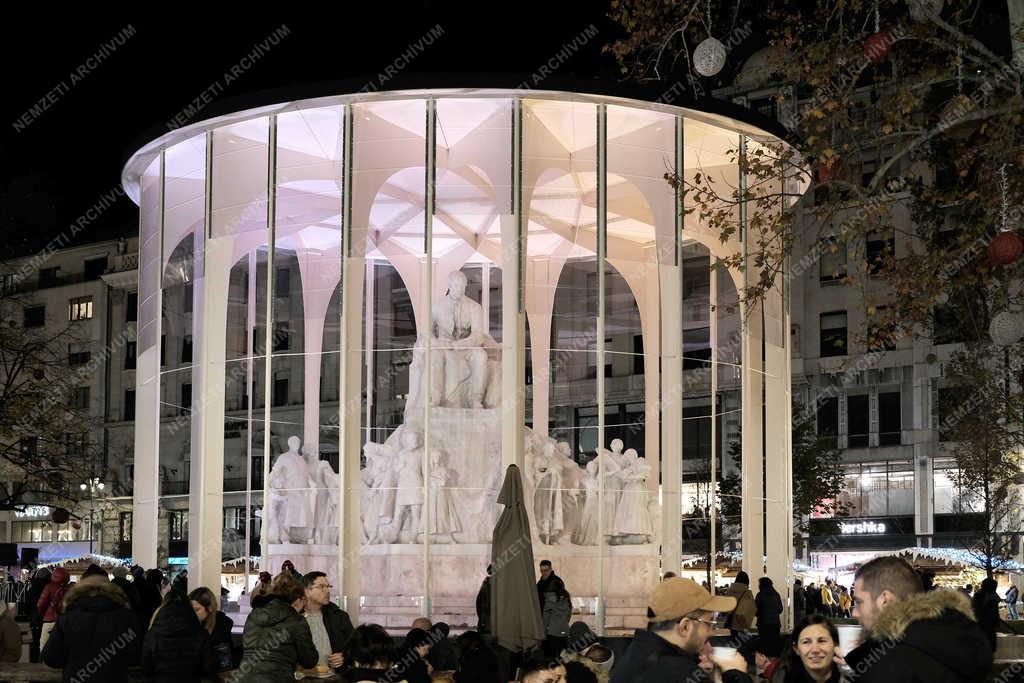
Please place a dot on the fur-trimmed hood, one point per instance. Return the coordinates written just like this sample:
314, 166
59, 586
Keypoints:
934, 635
894, 619
93, 596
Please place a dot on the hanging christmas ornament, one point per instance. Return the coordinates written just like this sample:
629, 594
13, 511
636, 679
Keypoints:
709, 57
1006, 247
828, 170
877, 46
76, 524
1006, 328
942, 298
60, 515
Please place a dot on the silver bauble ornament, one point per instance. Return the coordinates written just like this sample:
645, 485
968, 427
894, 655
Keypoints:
1006, 328
922, 9
709, 57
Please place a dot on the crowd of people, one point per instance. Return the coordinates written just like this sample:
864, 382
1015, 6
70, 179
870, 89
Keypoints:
98, 627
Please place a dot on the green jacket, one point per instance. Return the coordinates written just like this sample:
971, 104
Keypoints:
274, 641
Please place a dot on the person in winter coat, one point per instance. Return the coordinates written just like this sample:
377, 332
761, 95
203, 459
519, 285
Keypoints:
681, 618
370, 654
412, 663
556, 614
216, 623
50, 601
35, 620
845, 602
149, 595
768, 605
813, 594
10, 636
742, 617
985, 604
811, 658
483, 604
276, 638
121, 581
799, 602
828, 601
585, 649
96, 619
176, 648
477, 662
912, 635
262, 586
1012, 595
329, 625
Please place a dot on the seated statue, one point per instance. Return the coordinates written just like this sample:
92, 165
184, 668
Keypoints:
461, 373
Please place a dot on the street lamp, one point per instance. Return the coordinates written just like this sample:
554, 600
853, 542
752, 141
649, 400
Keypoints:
92, 485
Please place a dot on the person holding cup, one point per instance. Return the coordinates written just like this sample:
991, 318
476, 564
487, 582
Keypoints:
681, 616
811, 659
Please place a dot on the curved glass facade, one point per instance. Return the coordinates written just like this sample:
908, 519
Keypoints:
356, 311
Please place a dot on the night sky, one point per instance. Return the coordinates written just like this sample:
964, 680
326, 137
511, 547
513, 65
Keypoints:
68, 156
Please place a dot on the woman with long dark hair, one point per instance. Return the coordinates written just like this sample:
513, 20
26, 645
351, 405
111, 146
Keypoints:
216, 623
811, 658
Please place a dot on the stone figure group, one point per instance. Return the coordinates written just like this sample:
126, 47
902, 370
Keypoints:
464, 370
568, 505
303, 505
392, 494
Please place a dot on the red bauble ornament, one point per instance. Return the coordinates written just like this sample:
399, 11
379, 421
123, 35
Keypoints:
1005, 248
877, 46
60, 515
76, 524
828, 171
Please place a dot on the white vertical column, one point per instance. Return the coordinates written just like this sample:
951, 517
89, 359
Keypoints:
353, 269
752, 490
602, 256
427, 292
513, 328
146, 476
713, 484
206, 470
671, 302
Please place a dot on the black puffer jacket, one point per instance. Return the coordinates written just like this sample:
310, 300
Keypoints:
652, 659
928, 638
97, 636
275, 639
177, 649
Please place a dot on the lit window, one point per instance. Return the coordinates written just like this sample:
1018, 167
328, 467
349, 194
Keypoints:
80, 308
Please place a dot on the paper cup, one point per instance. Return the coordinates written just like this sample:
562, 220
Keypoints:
721, 652
849, 638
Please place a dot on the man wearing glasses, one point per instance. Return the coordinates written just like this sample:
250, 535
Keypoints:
681, 617
329, 624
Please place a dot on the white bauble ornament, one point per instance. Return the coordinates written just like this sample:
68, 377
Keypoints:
942, 298
709, 57
1006, 328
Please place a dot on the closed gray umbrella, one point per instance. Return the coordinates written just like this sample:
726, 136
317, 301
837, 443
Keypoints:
515, 612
